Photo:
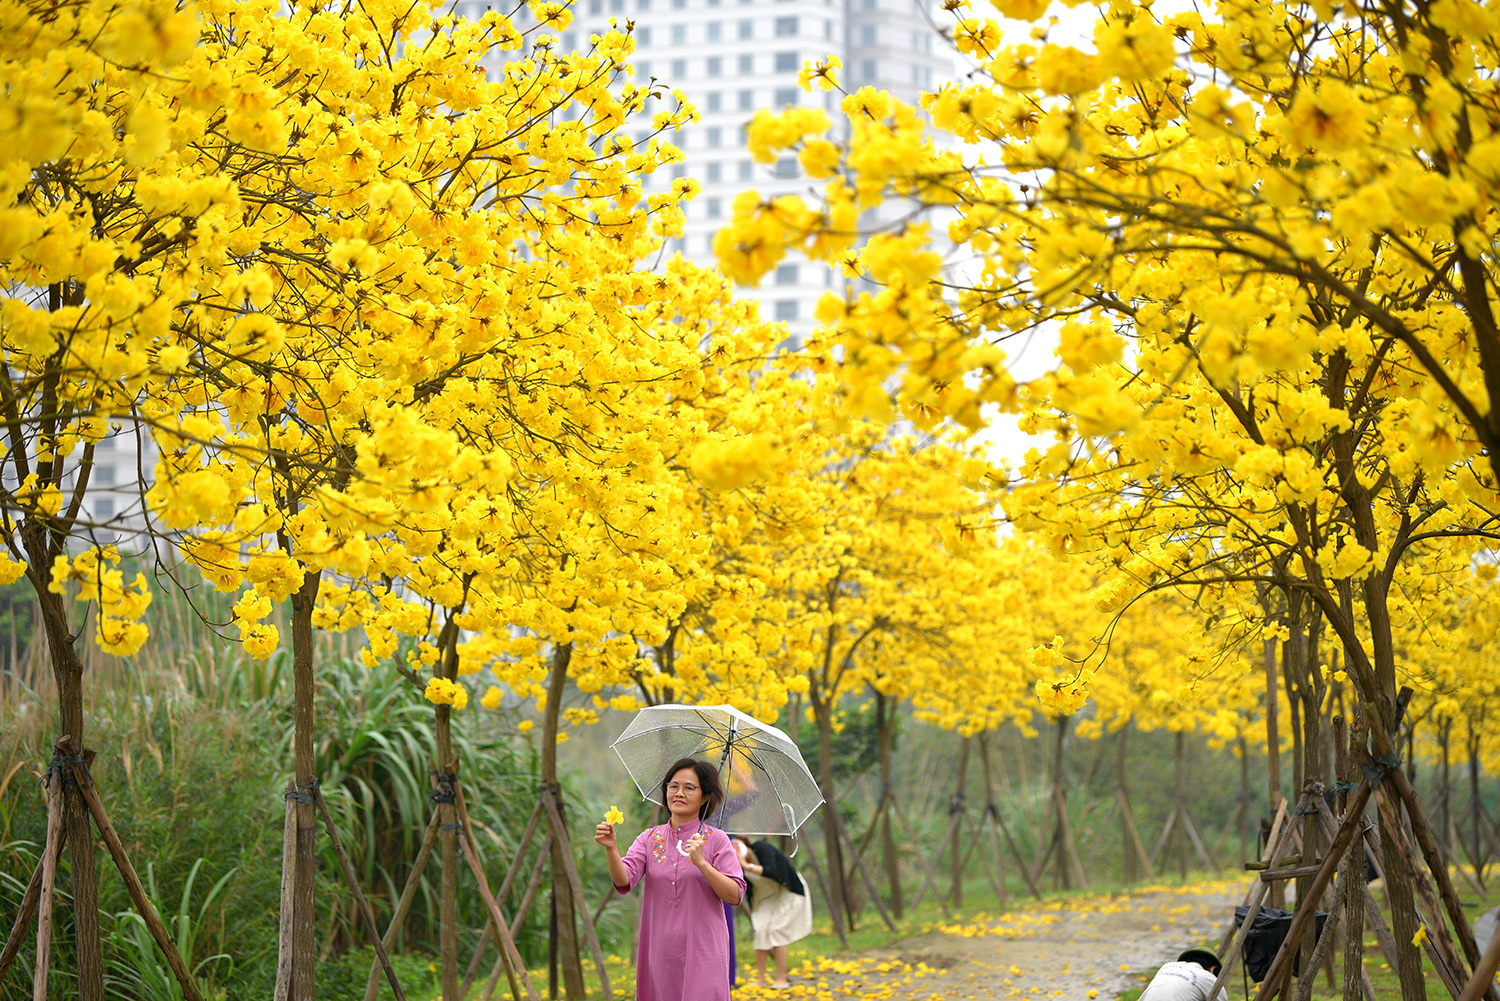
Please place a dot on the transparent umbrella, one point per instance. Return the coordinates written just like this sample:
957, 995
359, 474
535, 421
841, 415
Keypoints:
768, 789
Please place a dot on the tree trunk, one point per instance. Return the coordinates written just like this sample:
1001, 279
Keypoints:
1476, 812
569, 956
67, 671
1273, 737
445, 797
833, 854
1127, 848
304, 864
1445, 794
992, 815
960, 805
1353, 869
885, 719
1064, 874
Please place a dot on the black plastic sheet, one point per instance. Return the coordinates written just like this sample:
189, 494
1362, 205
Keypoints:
1266, 934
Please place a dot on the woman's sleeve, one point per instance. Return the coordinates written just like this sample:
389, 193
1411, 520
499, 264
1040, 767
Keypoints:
721, 855
635, 861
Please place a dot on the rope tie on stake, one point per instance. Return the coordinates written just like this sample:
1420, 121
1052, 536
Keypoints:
443, 792
956, 805
1376, 771
62, 766
306, 795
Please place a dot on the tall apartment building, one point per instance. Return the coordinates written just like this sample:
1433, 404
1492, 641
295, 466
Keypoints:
733, 57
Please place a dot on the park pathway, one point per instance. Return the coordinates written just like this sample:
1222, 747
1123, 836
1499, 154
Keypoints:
1087, 947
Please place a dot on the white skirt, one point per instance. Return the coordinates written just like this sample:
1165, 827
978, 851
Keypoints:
779, 916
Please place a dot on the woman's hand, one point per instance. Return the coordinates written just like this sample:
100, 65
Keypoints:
605, 835
694, 849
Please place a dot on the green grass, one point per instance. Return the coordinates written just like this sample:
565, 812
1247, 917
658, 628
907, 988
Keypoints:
1382, 976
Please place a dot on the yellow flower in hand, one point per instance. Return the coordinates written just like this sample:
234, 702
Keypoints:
614, 816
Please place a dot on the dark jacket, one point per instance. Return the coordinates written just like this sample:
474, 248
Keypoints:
777, 866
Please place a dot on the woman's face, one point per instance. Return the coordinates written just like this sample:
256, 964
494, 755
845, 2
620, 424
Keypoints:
684, 794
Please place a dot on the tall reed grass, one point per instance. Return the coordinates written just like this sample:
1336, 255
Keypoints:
193, 757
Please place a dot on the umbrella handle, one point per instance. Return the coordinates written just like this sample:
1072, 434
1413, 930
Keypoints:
682, 851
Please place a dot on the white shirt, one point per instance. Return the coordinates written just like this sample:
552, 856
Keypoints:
1182, 982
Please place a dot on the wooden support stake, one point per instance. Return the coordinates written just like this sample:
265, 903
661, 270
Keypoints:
1484, 971
838, 924
408, 893
560, 833
520, 856
1128, 819
133, 884
863, 872
1257, 894
359, 895
957, 817
1438, 865
1436, 944
532, 886
1069, 850
516, 969
906, 825
27, 911
485, 937
288, 898
1282, 963
47, 890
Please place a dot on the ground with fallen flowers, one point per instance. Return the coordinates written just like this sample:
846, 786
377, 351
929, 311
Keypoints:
1081, 947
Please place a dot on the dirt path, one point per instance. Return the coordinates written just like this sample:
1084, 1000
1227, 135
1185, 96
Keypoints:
1082, 948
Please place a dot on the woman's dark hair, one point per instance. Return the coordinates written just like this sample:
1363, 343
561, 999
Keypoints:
708, 781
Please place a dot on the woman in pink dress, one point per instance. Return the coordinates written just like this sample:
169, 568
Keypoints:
691, 871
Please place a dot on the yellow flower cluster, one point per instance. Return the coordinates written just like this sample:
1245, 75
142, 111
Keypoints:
442, 692
120, 605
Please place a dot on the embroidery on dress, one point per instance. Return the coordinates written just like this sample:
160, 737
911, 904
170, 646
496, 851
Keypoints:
658, 846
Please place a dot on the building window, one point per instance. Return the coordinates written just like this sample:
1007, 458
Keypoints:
715, 31
786, 167
617, 6
715, 172
642, 38
679, 171
828, 30
869, 4
679, 69
747, 100
786, 27
916, 75
747, 29
714, 208
104, 508
747, 169
715, 137
784, 96
679, 34
105, 445
867, 69
786, 309
786, 274
103, 476
868, 35
642, 4
786, 62
715, 66
716, 100
596, 6
747, 65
